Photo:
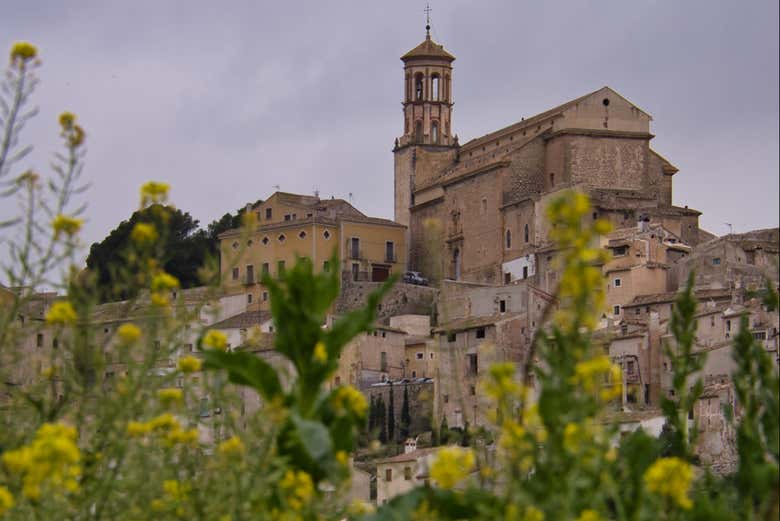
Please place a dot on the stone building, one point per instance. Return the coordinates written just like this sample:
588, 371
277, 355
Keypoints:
292, 226
482, 203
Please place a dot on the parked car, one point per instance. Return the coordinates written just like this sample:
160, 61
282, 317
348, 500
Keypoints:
415, 277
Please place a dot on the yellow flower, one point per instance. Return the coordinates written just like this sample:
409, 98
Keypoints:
320, 353
66, 120
359, 508
157, 505
169, 396
160, 300
164, 282
574, 437
29, 178
342, 457
215, 340
670, 477
175, 490
52, 459
298, 488
23, 52
154, 192
137, 429
232, 447
164, 421
67, 225
143, 234
347, 399
61, 313
6, 500
128, 333
182, 436
452, 464
589, 515
189, 364
533, 514
76, 136
501, 383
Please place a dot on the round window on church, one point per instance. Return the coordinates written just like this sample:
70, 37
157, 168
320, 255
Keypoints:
606, 102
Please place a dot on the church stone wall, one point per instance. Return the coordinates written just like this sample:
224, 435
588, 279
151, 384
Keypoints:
615, 163
526, 171
478, 201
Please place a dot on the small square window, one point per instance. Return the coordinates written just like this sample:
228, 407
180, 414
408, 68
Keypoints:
302, 235
235, 274
480, 332
716, 261
616, 310
420, 356
326, 234
265, 296
451, 337
265, 241
268, 213
248, 298
282, 238
618, 283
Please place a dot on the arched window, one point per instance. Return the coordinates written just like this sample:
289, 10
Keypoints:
435, 87
435, 133
418, 131
418, 86
525, 233
508, 239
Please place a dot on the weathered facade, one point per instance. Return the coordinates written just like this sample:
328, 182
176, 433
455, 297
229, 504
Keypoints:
488, 196
292, 226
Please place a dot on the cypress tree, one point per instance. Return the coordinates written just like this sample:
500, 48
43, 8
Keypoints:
406, 417
371, 414
444, 431
382, 419
391, 417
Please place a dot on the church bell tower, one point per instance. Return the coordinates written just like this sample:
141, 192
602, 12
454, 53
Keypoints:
427, 107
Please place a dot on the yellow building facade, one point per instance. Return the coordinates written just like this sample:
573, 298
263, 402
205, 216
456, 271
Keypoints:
292, 226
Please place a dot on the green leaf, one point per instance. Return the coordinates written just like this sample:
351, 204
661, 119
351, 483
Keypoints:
246, 369
314, 438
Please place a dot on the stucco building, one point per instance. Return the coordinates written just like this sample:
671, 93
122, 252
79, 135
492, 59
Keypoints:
290, 226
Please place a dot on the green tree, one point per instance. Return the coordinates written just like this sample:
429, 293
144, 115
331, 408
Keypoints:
382, 419
391, 416
181, 246
406, 418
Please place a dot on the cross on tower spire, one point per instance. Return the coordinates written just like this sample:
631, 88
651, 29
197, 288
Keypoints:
427, 21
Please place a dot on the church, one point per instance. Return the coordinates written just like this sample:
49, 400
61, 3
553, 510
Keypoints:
475, 212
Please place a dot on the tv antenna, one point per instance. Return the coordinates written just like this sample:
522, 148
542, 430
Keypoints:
276, 187
731, 228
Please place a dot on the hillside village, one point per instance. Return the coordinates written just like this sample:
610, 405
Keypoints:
470, 219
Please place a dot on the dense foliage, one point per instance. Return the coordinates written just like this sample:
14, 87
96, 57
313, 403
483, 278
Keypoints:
184, 249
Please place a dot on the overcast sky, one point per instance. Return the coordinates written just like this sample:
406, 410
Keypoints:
225, 100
